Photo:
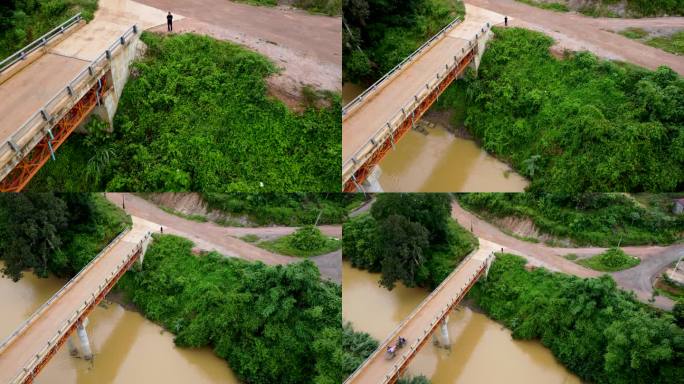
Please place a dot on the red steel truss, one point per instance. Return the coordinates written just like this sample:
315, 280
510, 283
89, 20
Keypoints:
381, 150
408, 360
65, 336
41, 153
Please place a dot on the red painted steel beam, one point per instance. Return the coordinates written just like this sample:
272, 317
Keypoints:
86, 312
408, 360
381, 150
24, 171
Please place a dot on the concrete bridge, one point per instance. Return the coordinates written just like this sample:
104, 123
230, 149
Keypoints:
379, 117
423, 322
29, 348
51, 86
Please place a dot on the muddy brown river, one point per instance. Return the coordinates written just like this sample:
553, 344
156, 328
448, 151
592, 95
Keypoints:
437, 161
482, 350
128, 348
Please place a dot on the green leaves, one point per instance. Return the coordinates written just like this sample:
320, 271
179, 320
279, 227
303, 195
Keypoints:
598, 126
265, 321
599, 332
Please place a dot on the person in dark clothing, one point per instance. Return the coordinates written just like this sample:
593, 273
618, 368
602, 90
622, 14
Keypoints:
505, 20
169, 22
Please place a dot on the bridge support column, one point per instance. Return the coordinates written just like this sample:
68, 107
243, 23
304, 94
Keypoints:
443, 339
372, 183
85, 343
73, 351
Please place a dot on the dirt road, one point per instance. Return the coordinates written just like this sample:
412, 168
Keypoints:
209, 236
577, 32
307, 46
638, 279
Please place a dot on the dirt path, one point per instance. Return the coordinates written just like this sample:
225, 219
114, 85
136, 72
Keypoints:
638, 279
577, 32
306, 46
209, 236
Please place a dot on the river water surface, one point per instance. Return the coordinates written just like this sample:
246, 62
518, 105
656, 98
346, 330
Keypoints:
482, 351
128, 348
438, 161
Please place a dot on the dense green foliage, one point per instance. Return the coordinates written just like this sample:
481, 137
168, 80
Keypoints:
586, 219
379, 34
596, 330
292, 209
57, 233
577, 124
277, 324
23, 21
357, 346
409, 238
196, 115
327, 7
304, 242
678, 312
613, 259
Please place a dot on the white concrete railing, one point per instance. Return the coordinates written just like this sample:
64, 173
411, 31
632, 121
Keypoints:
350, 166
39, 125
39, 43
30, 365
414, 346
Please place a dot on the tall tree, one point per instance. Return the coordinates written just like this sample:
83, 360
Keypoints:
403, 252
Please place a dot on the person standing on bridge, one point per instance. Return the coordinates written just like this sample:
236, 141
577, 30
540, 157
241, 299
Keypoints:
169, 22
505, 20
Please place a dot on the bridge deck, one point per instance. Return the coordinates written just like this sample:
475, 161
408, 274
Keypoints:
26, 92
373, 113
23, 94
25, 346
378, 366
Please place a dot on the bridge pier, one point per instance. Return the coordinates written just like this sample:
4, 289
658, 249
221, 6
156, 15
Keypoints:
443, 339
73, 351
372, 182
85, 343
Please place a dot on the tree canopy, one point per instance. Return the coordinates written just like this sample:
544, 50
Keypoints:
58, 233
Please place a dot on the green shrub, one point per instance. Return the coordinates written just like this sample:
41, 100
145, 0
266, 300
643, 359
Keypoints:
602, 334
587, 219
306, 241
198, 117
273, 324
578, 124
611, 260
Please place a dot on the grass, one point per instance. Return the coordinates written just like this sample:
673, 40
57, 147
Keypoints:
197, 218
611, 260
570, 256
634, 33
251, 238
197, 116
305, 242
558, 7
673, 43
